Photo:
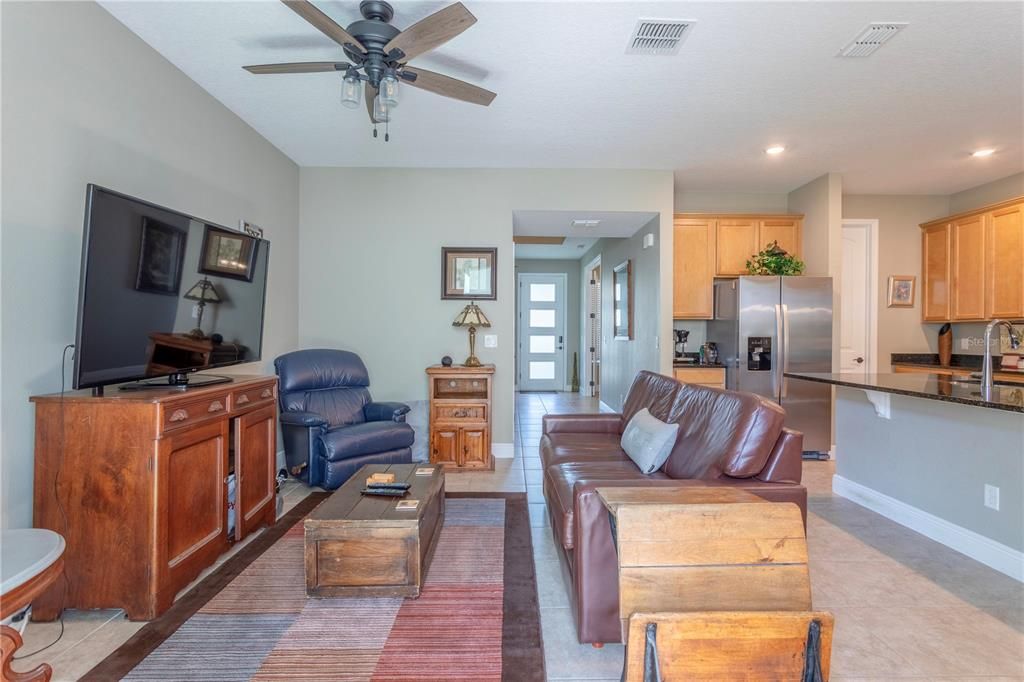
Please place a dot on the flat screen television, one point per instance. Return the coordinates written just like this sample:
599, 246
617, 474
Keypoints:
164, 294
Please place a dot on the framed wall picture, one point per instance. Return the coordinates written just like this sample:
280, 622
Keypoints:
227, 253
469, 274
161, 254
901, 291
622, 300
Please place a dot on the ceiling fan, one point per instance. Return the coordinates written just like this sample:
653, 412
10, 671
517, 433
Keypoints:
379, 53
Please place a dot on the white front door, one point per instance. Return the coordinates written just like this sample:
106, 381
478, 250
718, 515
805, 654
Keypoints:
541, 332
858, 303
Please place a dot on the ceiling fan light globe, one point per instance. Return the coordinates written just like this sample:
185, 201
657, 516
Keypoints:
351, 92
381, 112
388, 91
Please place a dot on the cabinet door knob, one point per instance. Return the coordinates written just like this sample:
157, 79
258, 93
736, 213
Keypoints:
242, 399
215, 406
178, 415
267, 393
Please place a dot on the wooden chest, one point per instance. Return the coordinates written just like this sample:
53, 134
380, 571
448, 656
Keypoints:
359, 545
460, 417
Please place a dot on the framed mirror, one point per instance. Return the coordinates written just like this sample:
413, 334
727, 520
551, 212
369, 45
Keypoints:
469, 274
622, 292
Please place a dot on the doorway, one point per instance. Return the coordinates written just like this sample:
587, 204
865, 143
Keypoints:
541, 342
592, 341
859, 297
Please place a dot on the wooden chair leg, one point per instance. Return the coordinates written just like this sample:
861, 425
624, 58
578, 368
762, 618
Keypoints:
10, 641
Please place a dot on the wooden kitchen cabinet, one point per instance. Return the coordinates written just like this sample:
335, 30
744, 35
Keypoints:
136, 484
972, 265
693, 268
737, 242
1004, 275
935, 273
786, 231
460, 417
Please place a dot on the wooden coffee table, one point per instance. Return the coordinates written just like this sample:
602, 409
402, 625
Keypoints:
360, 545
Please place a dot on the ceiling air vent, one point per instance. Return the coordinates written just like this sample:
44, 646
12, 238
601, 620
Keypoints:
874, 35
659, 36
585, 224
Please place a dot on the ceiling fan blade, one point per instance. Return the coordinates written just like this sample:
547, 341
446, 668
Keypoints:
297, 67
369, 93
324, 23
449, 87
435, 30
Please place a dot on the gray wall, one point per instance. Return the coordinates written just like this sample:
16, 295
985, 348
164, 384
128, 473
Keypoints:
989, 193
371, 260
698, 201
85, 100
621, 360
937, 457
571, 270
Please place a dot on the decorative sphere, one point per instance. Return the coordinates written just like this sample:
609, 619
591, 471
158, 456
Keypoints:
446, 361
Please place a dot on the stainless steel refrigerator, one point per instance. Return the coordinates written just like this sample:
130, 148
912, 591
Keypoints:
765, 326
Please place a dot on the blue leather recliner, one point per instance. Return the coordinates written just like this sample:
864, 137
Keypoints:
330, 425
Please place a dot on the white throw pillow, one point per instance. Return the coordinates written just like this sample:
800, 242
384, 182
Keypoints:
648, 441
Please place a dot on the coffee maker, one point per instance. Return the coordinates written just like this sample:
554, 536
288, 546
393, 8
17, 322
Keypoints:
679, 349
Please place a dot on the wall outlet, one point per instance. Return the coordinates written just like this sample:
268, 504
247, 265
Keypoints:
992, 497
195, 312
965, 344
490, 340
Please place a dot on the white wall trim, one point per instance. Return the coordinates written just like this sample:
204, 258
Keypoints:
978, 547
503, 450
872, 225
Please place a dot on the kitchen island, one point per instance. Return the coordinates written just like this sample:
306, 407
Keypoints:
929, 452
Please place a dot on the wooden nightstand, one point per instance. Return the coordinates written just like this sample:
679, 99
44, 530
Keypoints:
460, 417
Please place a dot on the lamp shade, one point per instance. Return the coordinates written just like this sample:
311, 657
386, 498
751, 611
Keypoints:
203, 291
471, 316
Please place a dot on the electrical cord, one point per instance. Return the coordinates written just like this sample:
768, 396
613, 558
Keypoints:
60, 506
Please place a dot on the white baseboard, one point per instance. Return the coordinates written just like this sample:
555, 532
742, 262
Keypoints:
978, 547
503, 450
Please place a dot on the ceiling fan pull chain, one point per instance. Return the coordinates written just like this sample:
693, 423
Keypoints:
387, 128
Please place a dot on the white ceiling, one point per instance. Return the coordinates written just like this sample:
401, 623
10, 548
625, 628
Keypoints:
559, 223
901, 121
572, 248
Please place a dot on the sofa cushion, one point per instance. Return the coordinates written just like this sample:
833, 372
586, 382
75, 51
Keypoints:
722, 432
561, 448
364, 439
559, 488
656, 392
648, 441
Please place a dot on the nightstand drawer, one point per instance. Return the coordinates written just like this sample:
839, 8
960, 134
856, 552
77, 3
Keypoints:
182, 414
246, 397
460, 413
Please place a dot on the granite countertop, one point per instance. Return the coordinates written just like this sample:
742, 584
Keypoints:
930, 386
956, 361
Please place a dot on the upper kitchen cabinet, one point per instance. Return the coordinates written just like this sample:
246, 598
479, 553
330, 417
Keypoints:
972, 265
1004, 278
693, 268
737, 243
935, 277
785, 231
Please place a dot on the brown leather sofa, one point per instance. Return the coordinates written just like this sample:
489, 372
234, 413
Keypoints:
725, 438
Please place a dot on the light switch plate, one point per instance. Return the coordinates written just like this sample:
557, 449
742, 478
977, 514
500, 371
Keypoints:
992, 497
490, 340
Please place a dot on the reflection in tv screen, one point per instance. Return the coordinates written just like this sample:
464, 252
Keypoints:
163, 293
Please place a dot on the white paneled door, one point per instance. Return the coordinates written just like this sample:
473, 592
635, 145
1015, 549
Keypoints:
858, 304
541, 332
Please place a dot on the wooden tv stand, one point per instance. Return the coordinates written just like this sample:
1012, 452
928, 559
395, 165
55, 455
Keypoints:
141, 480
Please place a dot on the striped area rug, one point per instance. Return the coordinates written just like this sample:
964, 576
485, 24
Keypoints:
476, 617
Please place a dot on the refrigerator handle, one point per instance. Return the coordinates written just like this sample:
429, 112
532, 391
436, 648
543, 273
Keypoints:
777, 352
785, 349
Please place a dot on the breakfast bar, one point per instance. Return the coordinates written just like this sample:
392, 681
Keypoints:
930, 452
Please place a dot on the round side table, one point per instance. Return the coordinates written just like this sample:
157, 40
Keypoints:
31, 560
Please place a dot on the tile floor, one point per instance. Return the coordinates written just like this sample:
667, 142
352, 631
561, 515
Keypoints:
906, 608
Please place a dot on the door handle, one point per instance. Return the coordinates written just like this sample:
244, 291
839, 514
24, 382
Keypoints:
785, 349
777, 352
242, 399
859, 361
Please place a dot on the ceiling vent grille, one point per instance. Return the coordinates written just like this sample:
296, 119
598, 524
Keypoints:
874, 35
659, 36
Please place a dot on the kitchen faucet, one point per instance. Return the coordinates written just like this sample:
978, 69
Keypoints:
986, 367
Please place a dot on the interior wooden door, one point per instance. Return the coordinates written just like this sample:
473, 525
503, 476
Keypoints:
191, 502
968, 262
475, 448
935, 273
444, 445
737, 243
693, 268
1004, 276
785, 231
255, 457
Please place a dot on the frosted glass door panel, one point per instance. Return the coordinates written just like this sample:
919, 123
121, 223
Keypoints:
542, 293
542, 370
542, 319
542, 344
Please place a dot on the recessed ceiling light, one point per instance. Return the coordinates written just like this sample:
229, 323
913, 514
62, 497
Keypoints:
775, 149
984, 152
